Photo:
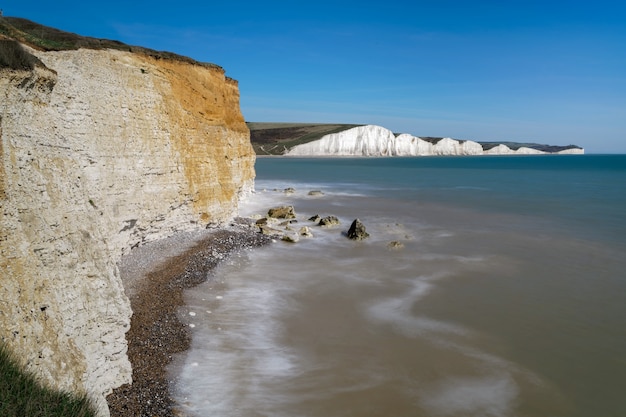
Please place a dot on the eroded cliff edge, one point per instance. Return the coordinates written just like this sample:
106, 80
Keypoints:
100, 151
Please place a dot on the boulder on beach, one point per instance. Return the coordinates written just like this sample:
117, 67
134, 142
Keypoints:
282, 212
290, 237
329, 221
315, 193
315, 218
289, 190
357, 231
395, 245
266, 230
305, 231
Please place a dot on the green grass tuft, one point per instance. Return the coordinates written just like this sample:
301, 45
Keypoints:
22, 395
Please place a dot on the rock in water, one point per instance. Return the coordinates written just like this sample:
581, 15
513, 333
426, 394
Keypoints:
290, 237
395, 245
357, 231
282, 212
305, 231
329, 221
266, 230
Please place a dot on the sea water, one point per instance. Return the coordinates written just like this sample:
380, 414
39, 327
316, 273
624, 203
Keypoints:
507, 296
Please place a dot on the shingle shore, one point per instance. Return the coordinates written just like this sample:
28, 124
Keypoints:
155, 276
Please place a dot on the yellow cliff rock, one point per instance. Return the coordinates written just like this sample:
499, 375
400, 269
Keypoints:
101, 151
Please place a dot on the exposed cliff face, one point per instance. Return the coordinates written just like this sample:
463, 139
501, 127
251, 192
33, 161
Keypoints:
374, 140
100, 151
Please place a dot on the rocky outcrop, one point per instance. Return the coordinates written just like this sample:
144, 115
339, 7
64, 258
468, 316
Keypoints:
328, 221
282, 212
374, 140
357, 231
103, 150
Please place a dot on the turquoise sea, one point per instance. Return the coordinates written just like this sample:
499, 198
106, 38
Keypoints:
508, 297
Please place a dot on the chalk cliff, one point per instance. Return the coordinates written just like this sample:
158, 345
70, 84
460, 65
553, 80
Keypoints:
102, 150
372, 140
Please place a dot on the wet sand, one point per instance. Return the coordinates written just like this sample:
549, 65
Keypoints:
155, 276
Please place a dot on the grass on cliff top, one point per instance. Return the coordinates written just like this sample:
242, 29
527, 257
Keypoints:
538, 146
22, 395
46, 38
275, 138
13, 56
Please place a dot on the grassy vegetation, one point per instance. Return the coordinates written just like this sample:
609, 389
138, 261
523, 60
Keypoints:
22, 395
274, 138
45, 38
13, 56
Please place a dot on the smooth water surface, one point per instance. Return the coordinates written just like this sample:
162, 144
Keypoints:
508, 297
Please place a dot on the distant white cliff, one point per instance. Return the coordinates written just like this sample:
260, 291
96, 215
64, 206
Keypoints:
372, 140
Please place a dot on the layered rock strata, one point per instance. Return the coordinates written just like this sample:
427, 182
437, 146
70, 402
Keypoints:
101, 151
372, 140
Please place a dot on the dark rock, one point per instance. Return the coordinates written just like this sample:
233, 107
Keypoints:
315, 218
357, 231
290, 190
315, 193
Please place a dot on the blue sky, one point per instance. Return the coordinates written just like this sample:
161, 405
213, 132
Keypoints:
542, 71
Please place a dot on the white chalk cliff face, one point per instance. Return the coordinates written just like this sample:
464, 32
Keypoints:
374, 140
101, 151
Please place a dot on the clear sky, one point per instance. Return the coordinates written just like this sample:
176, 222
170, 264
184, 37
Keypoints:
542, 71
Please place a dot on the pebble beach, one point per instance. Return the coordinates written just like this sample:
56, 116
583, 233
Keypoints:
155, 276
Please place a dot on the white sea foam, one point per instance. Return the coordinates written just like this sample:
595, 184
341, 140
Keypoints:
396, 311
482, 396
237, 351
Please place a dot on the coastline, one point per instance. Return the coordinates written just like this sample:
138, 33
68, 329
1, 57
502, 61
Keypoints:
155, 276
